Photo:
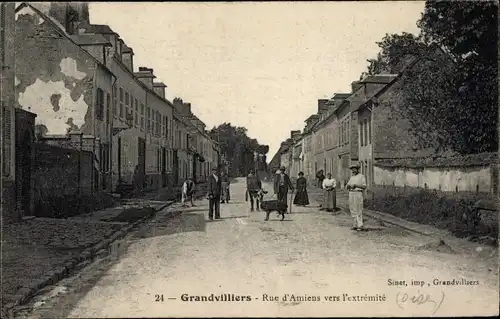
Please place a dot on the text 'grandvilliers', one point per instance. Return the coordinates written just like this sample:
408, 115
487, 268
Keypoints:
216, 298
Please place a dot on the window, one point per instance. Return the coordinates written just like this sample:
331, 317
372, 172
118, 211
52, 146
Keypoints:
148, 114
108, 108
115, 102
121, 102
369, 130
166, 126
7, 137
127, 103
100, 105
142, 116
339, 135
136, 113
361, 130
158, 123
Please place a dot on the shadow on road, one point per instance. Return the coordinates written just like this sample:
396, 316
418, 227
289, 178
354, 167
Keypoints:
178, 223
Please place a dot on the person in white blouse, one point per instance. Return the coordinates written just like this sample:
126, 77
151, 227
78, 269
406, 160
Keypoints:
356, 186
329, 193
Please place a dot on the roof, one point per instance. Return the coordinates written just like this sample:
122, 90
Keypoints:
99, 28
159, 84
379, 78
312, 117
91, 39
127, 49
481, 159
144, 74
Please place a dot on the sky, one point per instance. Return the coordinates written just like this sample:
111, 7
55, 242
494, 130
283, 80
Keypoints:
261, 65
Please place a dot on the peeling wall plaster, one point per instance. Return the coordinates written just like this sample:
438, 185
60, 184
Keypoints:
37, 98
70, 69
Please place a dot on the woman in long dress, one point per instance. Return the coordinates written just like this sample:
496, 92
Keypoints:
225, 196
329, 193
301, 198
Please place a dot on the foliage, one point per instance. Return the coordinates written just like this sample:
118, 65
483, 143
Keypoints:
450, 95
457, 215
238, 148
395, 51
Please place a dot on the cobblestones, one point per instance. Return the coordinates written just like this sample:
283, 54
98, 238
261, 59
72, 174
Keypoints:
40, 251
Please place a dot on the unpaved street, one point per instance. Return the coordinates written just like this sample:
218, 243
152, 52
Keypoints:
312, 254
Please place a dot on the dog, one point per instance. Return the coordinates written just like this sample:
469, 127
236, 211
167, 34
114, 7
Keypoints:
272, 205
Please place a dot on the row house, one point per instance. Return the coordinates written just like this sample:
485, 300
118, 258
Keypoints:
79, 77
182, 156
197, 157
363, 127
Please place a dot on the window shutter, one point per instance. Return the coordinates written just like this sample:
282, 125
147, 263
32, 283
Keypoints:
7, 138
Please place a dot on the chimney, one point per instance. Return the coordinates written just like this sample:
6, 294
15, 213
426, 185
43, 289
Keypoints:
187, 106
119, 48
128, 57
178, 103
293, 134
322, 107
356, 85
146, 76
159, 88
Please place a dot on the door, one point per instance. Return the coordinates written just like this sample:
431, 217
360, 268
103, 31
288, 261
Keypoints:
164, 166
141, 158
175, 167
104, 165
119, 150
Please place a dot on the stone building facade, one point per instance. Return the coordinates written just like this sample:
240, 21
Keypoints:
67, 87
7, 104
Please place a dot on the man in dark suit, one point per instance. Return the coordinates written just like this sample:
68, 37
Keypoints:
282, 183
214, 193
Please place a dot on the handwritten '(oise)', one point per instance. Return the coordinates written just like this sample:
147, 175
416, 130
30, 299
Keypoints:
419, 299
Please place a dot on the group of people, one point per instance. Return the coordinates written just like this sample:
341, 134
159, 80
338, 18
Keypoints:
218, 192
356, 187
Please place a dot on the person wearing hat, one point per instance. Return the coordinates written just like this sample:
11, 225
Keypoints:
281, 184
214, 193
356, 186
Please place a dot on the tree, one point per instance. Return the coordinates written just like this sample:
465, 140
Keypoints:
396, 50
451, 95
238, 147
468, 30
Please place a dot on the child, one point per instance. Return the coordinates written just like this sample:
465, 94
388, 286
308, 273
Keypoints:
187, 192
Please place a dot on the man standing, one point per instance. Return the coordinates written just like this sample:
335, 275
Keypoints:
188, 191
253, 187
356, 186
214, 192
281, 184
